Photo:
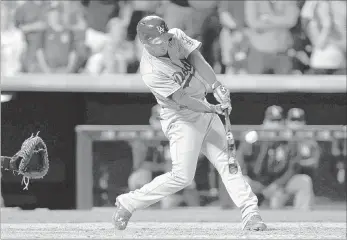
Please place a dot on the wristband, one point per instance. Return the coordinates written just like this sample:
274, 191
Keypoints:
215, 85
213, 108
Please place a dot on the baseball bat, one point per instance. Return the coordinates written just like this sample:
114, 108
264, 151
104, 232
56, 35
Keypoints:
231, 150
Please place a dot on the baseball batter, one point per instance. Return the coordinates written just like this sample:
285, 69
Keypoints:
179, 77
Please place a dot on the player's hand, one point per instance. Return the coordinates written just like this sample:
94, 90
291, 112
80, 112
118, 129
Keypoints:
220, 108
221, 93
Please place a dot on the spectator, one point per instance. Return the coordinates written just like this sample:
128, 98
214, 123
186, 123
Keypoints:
95, 41
12, 44
192, 15
117, 53
304, 151
99, 13
74, 18
206, 20
30, 19
233, 41
199, 20
57, 49
338, 165
271, 172
325, 23
139, 9
174, 8
269, 25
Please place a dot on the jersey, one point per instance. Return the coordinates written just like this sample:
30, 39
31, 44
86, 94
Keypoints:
306, 153
264, 161
165, 75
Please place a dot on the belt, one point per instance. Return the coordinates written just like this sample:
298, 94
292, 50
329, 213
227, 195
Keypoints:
180, 107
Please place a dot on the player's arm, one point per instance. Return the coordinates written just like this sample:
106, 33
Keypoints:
202, 67
317, 34
19, 17
220, 92
194, 104
73, 58
168, 88
40, 56
190, 48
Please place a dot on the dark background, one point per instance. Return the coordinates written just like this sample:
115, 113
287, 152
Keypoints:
55, 115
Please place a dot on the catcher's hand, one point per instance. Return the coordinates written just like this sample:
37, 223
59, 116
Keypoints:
31, 160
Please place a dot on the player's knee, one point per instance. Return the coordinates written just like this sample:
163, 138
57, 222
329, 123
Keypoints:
183, 179
305, 182
247, 179
278, 200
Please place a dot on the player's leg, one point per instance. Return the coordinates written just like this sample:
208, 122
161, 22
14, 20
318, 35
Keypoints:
185, 144
279, 199
301, 187
214, 147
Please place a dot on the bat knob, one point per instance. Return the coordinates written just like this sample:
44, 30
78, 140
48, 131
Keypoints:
233, 168
230, 136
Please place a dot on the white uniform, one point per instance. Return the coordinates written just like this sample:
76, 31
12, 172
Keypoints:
189, 132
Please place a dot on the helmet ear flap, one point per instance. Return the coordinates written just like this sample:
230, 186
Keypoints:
166, 27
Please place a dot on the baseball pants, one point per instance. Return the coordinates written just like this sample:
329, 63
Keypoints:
187, 139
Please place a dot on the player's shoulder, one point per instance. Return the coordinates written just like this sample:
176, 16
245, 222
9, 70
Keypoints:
149, 65
178, 33
146, 64
149, 69
182, 38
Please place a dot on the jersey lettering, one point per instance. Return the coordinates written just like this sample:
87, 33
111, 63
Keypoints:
187, 41
160, 29
184, 77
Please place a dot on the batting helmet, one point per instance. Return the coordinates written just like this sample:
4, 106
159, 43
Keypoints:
150, 28
274, 113
296, 114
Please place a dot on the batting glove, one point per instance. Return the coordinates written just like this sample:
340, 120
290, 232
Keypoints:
220, 108
220, 92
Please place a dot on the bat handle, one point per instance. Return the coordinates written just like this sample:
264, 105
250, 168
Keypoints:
233, 167
227, 118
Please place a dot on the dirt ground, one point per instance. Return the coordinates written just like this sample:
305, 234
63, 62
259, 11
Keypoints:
192, 223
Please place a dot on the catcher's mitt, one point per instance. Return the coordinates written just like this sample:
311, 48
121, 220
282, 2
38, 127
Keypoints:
31, 160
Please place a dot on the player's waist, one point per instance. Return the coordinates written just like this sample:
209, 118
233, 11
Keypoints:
178, 107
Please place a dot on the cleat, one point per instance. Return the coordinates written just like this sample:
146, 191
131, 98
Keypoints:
121, 217
255, 223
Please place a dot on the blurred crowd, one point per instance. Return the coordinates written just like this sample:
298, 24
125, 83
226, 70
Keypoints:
239, 37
